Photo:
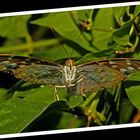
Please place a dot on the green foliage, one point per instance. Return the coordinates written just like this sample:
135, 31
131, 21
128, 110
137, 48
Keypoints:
14, 27
58, 36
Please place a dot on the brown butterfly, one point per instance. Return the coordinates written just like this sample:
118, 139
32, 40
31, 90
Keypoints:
83, 78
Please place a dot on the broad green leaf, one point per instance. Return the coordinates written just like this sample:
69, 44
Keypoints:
137, 10
133, 95
63, 24
75, 100
124, 40
72, 100
96, 56
126, 110
2, 92
118, 13
103, 20
136, 55
70, 121
85, 14
133, 89
54, 117
26, 105
14, 26
52, 54
121, 35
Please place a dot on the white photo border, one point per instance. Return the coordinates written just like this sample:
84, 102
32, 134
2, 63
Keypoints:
72, 130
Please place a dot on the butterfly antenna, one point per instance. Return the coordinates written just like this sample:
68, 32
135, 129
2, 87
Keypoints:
71, 52
66, 52
83, 28
59, 41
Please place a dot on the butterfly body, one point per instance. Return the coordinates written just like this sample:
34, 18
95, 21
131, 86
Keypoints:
70, 72
87, 77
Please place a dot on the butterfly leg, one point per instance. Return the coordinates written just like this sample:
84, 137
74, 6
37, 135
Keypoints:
56, 97
82, 92
80, 87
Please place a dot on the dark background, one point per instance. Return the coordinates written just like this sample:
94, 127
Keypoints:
16, 6
20, 5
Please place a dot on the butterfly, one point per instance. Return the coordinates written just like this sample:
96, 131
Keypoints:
77, 79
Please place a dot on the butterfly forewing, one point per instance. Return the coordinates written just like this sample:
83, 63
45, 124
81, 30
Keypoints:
35, 70
98, 75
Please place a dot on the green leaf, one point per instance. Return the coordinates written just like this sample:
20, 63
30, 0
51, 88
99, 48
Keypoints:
52, 54
121, 36
102, 37
14, 27
137, 10
72, 100
96, 56
67, 29
25, 106
2, 92
70, 121
118, 13
75, 100
126, 111
84, 15
133, 89
133, 94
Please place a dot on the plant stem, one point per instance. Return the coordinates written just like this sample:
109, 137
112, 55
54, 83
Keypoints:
28, 46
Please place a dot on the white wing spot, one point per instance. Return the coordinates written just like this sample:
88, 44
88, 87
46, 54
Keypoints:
128, 62
123, 70
131, 68
112, 63
114, 66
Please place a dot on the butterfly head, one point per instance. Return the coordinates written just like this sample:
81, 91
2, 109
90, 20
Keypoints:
70, 63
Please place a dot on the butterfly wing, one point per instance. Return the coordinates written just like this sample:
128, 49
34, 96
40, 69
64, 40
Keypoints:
98, 75
35, 70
